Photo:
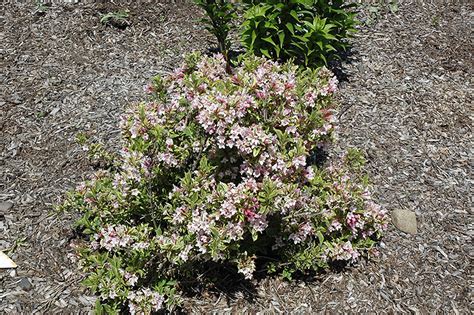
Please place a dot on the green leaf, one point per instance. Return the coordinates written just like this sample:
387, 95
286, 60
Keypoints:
271, 26
329, 47
394, 7
302, 38
300, 46
320, 237
281, 37
99, 309
323, 58
312, 26
270, 40
329, 27
287, 274
330, 36
203, 164
294, 15
256, 151
265, 53
254, 36
254, 235
109, 310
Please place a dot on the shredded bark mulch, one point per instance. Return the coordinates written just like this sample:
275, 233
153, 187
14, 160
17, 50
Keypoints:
405, 99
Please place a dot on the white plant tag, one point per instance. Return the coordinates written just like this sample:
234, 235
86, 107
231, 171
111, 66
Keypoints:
6, 262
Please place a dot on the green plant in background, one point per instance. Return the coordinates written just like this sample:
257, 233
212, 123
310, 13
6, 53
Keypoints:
375, 10
41, 8
393, 6
19, 242
435, 21
220, 14
309, 31
117, 19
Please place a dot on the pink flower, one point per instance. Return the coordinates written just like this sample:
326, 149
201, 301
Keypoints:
130, 278
148, 89
290, 85
235, 231
335, 226
141, 300
355, 222
344, 252
303, 232
246, 267
309, 174
167, 158
132, 307
332, 86
179, 215
183, 255
134, 130
249, 214
258, 222
228, 209
261, 95
112, 294
291, 130
299, 161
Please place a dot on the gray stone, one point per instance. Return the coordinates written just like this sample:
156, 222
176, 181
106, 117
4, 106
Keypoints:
5, 206
404, 220
25, 284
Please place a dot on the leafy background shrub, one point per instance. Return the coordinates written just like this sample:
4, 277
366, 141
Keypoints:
118, 19
221, 168
311, 32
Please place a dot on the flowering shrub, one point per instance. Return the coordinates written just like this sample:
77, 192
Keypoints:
219, 167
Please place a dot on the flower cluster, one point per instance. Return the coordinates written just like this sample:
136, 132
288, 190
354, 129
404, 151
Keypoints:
115, 237
145, 301
221, 167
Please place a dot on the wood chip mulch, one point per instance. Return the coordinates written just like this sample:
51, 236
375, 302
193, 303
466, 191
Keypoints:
405, 97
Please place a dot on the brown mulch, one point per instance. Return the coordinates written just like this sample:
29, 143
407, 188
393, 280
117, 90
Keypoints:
407, 102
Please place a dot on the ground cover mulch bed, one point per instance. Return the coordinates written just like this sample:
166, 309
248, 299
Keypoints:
405, 97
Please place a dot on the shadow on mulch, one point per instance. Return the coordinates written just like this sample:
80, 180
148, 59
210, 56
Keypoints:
213, 278
338, 66
217, 280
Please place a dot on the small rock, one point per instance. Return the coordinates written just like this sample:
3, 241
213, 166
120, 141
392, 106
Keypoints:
5, 206
16, 99
25, 284
54, 111
404, 220
26, 199
60, 303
